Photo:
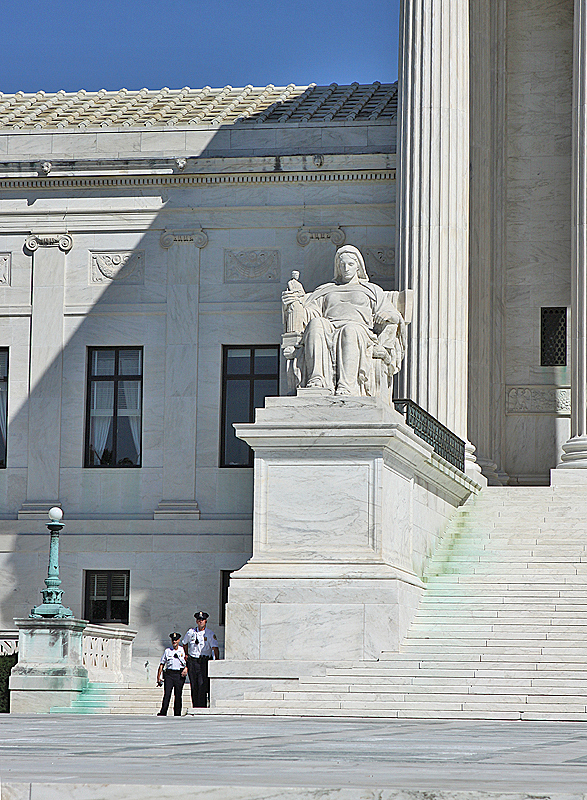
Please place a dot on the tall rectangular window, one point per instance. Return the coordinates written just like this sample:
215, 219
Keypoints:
249, 375
3, 404
553, 337
107, 594
114, 401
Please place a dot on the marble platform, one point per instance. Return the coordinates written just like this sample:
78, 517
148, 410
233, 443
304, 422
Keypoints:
57, 758
349, 506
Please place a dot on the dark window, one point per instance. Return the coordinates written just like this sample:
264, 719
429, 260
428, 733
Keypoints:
224, 584
3, 404
114, 400
250, 374
553, 337
107, 596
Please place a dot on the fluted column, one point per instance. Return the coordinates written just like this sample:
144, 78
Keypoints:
433, 203
575, 450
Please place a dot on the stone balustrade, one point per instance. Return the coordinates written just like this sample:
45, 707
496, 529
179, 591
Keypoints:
107, 651
8, 642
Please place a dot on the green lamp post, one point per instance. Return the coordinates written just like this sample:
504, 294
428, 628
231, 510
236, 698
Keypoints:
51, 606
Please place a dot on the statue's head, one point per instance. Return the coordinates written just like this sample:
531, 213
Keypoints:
349, 254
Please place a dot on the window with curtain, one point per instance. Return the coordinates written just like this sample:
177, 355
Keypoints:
250, 374
107, 596
114, 407
3, 404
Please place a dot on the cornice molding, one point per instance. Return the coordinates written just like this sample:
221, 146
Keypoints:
194, 180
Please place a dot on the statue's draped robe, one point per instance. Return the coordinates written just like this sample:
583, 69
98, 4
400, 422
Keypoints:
338, 338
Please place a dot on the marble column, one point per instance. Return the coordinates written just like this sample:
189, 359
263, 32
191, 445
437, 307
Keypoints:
487, 240
45, 371
575, 450
433, 203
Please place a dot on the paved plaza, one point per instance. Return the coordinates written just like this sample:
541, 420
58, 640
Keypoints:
247, 758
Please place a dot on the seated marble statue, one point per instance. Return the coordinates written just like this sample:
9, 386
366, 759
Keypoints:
351, 335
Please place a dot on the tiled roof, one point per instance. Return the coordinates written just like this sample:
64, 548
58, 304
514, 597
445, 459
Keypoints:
202, 107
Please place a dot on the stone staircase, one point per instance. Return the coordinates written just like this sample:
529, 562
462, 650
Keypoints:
501, 632
117, 698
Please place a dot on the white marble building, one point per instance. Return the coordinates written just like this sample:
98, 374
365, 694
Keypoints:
163, 227
150, 235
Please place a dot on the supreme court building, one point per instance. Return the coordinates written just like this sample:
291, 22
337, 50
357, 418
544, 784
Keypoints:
145, 240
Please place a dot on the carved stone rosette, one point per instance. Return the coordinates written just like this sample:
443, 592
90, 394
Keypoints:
63, 241
198, 236
332, 233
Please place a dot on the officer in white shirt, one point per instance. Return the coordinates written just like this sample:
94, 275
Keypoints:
200, 645
174, 669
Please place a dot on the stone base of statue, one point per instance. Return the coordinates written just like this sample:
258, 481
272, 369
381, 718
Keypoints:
349, 506
50, 669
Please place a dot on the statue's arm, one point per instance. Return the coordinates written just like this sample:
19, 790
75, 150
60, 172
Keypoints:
386, 312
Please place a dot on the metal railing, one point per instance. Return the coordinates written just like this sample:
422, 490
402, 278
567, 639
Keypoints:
444, 441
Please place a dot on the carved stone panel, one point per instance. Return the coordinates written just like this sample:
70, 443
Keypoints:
244, 266
122, 267
381, 265
538, 400
5, 268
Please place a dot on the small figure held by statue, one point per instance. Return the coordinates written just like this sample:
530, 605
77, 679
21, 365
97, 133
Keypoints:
348, 336
293, 313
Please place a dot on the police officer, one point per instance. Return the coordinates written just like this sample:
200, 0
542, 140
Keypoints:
200, 645
174, 668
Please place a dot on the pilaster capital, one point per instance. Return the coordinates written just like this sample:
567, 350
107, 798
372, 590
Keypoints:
333, 232
197, 236
62, 240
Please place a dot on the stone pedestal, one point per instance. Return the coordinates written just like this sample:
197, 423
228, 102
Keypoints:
349, 506
50, 669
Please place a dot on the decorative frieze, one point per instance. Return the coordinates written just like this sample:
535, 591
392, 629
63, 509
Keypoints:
5, 269
333, 233
538, 400
261, 266
63, 241
195, 236
121, 267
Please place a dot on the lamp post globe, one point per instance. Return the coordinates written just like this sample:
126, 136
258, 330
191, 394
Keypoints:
55, 514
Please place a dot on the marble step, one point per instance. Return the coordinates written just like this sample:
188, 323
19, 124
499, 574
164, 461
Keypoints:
451, 684
503, 688
310, 706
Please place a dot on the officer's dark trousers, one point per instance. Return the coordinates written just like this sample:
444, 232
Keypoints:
173, 680
199, 682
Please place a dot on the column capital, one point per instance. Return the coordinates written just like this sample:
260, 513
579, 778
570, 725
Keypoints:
61, 240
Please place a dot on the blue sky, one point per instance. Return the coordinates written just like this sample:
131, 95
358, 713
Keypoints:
94, 44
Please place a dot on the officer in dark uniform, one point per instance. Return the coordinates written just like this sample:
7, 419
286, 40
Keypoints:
174, 669
200, 645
